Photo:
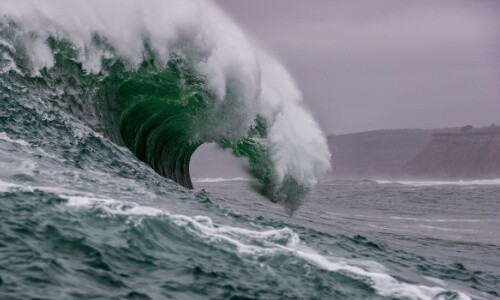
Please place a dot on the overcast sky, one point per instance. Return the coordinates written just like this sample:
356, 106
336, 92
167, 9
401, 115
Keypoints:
364, 64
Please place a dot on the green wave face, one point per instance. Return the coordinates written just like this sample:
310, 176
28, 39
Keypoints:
159, 110
166, 115
162, 109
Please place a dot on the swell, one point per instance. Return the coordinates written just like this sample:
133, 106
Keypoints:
164, 82
108, 238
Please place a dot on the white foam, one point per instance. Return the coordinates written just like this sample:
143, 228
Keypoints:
436, 183
10, 65
384, 284
112, 206
7, 186
5, 137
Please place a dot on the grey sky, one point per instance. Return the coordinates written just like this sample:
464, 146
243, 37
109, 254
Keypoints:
367, 64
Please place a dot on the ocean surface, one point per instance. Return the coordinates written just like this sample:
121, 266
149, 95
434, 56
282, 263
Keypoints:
81, 218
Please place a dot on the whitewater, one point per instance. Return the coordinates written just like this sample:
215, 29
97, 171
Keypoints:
100, 113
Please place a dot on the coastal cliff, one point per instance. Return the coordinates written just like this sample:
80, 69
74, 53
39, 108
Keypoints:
466, 155
449, 153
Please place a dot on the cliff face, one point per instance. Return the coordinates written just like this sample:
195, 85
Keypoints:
412, 153
458, 156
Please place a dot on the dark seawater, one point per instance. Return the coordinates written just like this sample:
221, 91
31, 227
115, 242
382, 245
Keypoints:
81, 218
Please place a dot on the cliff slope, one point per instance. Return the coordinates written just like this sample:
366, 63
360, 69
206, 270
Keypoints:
447, 153
467, 155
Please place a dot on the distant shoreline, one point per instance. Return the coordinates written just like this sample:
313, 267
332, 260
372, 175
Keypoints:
447, 154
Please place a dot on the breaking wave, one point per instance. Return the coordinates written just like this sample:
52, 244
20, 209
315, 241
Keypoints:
163, 78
